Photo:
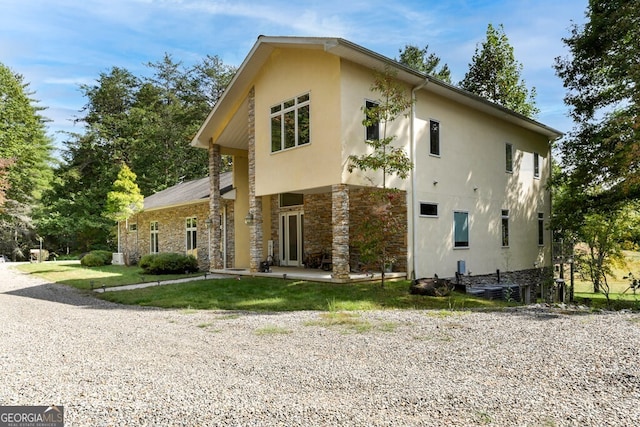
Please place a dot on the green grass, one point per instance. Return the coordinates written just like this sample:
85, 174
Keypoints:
251, 293
73, 274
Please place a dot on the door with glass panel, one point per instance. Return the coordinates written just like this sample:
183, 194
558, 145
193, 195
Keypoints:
291, 238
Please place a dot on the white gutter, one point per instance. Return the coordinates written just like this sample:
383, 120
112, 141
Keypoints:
412, 233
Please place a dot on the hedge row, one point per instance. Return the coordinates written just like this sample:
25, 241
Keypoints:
168, 263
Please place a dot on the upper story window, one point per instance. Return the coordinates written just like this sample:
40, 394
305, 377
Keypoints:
290, 123
540, 228
434, 138
508, 152
505, 227
536, 165
373, 127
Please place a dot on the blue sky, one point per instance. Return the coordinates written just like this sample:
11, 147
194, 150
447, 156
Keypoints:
59, 44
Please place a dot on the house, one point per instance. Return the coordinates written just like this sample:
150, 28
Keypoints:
476, 201
175, 220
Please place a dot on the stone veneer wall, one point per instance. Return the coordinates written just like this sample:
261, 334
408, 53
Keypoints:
318, 234
533, 278
172, 232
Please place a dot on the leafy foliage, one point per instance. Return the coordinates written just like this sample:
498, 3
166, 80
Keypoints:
168, 263
96, 259
494, 74
125, 199
421, 60
602, 76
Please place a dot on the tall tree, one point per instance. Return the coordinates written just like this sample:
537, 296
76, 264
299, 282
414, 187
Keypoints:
378, 231
421, 60
494, 74
602, 78
25, 153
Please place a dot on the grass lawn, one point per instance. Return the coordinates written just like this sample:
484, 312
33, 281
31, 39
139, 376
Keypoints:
73, 274
251, 293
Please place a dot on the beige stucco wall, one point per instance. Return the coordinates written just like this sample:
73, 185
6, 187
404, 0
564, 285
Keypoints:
470, 174
287, 74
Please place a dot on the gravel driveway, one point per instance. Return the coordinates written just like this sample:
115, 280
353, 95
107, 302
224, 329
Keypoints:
112, 365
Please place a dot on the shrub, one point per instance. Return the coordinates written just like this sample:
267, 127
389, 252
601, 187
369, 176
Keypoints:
96, 259
168, 263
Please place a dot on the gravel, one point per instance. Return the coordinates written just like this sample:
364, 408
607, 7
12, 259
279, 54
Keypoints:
112, 365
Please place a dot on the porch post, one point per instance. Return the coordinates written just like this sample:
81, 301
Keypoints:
215, 260
255, 203
340, 222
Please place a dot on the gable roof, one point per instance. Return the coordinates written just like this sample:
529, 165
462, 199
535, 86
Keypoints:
234, 97
187, 192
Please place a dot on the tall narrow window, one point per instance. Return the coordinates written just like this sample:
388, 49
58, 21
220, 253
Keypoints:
505, 227
290, 123
153, 237
540, 228
434, 138
373, 126
536, 165
461, 229
508, 152
192, 234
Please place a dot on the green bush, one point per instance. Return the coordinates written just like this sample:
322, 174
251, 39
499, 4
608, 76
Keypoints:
168, 263
96, 259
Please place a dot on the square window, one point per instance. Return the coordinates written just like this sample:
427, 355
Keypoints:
428, 209
434, 138
461, 229
133, 227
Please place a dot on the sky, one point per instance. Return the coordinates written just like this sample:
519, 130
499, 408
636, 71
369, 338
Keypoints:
58, 45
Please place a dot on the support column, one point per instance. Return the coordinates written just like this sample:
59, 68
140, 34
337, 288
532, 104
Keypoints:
340, 222
255, 203
215, 234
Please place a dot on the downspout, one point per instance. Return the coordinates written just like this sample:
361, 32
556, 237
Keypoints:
412, 209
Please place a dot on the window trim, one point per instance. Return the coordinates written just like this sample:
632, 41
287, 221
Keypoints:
468, 242
508, 157
368, 103
504, 228
540, 228
283, 108
193, 229
431, 143
428, 215
154, 234
536, 165
133, 227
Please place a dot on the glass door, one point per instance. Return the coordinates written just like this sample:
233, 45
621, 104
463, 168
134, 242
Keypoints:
291, 238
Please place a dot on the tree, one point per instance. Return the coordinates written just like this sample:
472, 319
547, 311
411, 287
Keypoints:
494, 74
602, 79
124, 200
373, 237
25, 155
418, 59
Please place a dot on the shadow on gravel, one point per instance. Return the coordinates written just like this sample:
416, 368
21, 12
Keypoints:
70, 296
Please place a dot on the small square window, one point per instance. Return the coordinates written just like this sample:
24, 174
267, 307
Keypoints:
133, 226
428, 209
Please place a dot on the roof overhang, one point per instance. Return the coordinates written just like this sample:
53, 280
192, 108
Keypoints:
228, 128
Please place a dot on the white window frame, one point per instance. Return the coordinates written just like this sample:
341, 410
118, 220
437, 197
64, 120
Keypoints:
508, 157
154, 245
281, 110
504, 228
191, 234
427, 215
431, 123
132, 227
536, 165
468, 245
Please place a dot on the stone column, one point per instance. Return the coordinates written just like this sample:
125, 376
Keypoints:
214, 234
255, 203
340, 222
